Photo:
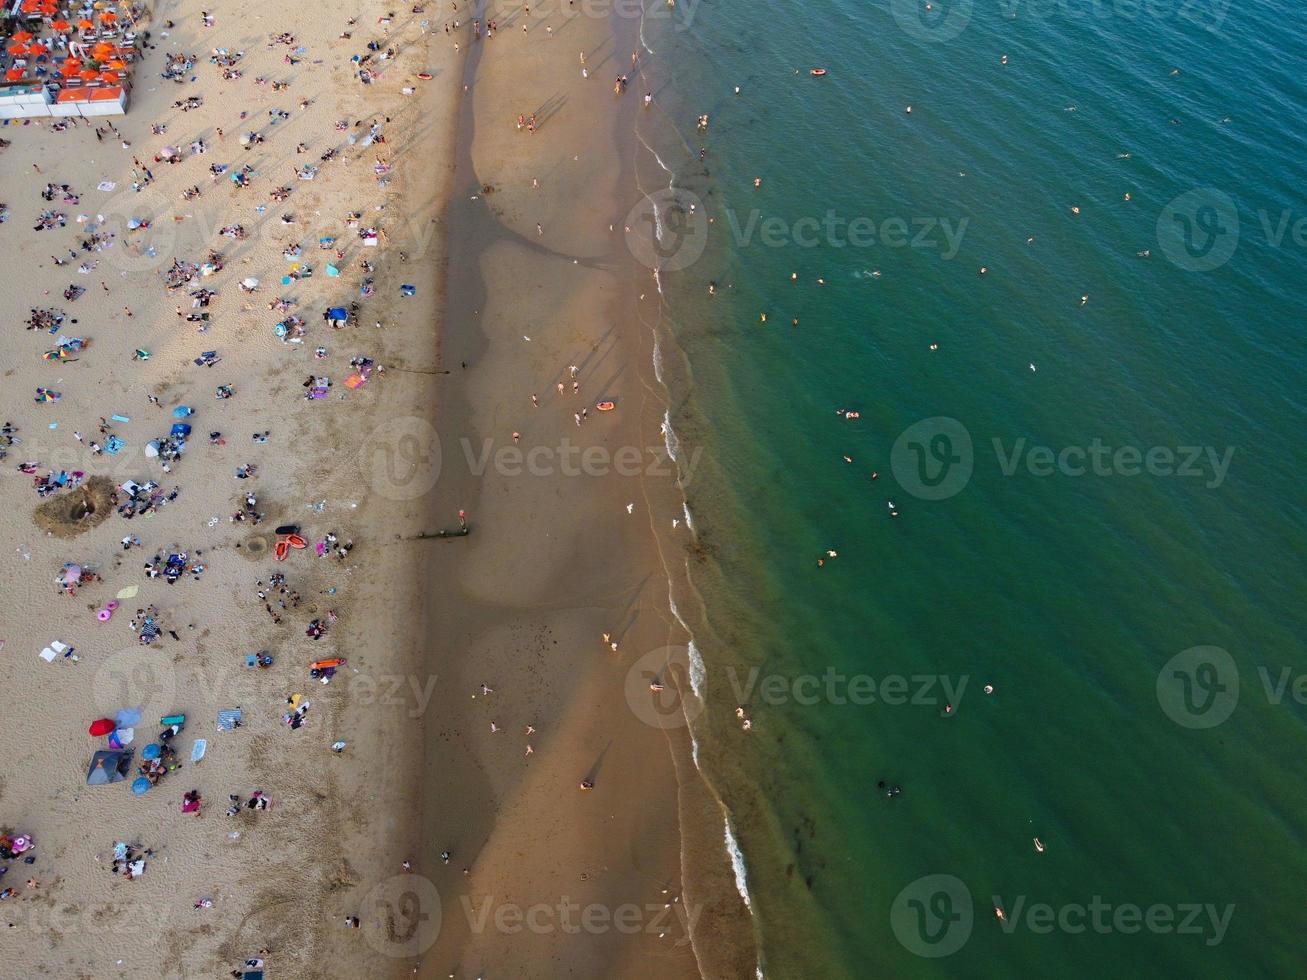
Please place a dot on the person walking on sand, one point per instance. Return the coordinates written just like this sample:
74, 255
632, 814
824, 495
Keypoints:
535, 400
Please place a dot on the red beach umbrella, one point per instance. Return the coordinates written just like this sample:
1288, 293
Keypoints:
37, 48
70, 68
17, 49
102, 726
22, 35
61, 25
87, 74
13, 74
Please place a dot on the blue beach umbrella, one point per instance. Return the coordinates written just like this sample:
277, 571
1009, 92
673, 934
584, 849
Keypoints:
140, 785
150, 752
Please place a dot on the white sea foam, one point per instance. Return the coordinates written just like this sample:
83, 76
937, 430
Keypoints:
698, 673
737, 864
672, 443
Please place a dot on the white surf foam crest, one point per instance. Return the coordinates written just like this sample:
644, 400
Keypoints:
698, 673
670, 441
643, 43
737, 865
689, 521
658, 361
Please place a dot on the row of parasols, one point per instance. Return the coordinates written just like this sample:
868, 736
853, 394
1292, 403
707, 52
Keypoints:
105, 64
50, 9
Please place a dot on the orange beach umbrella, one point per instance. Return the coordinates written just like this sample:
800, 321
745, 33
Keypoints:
60, 25
36, 48
22, 36
85, 24
70, 67
88, 74
17, 49
13, 74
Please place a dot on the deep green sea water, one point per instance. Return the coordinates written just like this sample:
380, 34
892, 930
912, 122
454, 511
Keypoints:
1169, 793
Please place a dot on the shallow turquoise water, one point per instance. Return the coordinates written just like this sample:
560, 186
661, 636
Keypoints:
1068, 593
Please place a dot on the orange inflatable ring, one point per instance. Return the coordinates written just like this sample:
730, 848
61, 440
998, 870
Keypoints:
281, 550
606, 406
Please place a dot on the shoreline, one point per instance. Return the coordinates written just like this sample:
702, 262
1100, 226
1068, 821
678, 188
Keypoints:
495, 256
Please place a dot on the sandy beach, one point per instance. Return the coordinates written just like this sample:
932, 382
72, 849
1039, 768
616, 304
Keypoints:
285, 878
502, 802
